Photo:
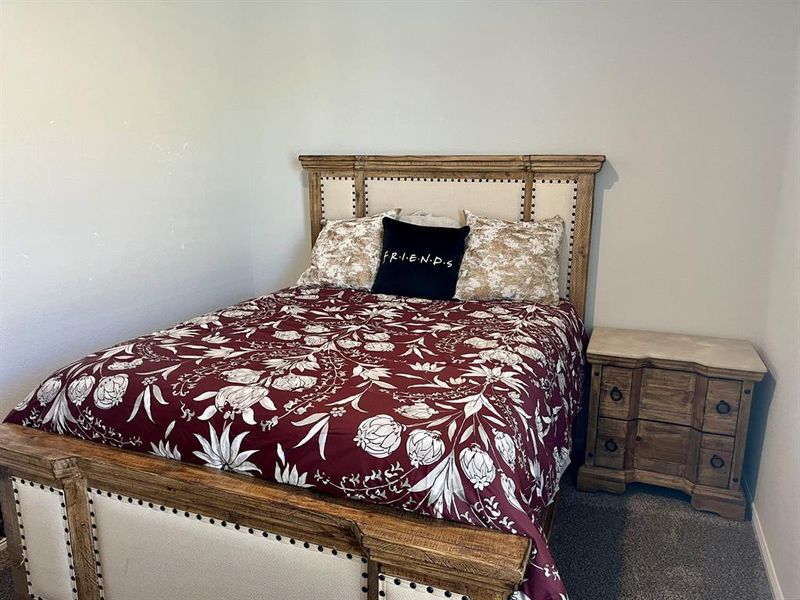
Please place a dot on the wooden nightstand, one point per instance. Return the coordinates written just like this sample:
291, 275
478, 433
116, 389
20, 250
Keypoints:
670, 410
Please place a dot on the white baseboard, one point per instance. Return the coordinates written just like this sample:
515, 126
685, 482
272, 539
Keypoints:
766, 557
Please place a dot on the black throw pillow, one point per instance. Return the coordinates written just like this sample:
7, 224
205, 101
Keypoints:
419, 261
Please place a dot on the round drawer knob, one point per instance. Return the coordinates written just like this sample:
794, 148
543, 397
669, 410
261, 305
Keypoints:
611, 445
616, 394
717, 462
723, 407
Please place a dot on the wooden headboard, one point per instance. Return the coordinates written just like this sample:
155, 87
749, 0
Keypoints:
509, 187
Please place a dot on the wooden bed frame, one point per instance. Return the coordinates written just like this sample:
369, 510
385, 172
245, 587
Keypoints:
75, 512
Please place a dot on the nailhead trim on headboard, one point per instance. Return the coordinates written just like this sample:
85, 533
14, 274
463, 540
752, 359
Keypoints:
322, 193
572, 236
322, 198
445, 179
570, 225
442, 180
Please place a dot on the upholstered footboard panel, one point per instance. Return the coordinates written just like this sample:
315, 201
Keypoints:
86, 522
44, 535
147, 550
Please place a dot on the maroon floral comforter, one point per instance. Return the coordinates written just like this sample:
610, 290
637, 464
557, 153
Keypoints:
459, 410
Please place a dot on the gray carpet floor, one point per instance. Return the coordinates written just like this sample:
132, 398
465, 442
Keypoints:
647, 544
5, 585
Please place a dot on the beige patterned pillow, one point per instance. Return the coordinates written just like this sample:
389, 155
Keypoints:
347, 253
514, 261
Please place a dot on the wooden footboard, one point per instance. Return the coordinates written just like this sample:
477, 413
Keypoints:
87, 521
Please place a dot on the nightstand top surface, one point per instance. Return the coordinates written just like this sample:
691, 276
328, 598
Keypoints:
725, 355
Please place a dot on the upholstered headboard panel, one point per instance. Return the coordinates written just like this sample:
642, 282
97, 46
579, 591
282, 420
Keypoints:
506, 187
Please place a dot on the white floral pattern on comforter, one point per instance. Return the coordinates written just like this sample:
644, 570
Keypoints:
458, 410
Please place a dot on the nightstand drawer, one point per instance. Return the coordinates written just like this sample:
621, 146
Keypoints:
664, 448
615, 392
714, 461
612, 436
667, 396
722, 406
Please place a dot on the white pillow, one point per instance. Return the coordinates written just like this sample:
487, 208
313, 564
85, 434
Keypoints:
428, 220
347, 253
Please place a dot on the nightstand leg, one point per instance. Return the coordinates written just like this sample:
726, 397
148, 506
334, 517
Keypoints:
730, 504
593, 479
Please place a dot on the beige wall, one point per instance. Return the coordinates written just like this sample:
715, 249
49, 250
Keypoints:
689, 102
123, 208
149, 165
773, 469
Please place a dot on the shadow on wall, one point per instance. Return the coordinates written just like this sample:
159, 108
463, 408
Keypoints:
295, 247
303, 246
604, 181
759, 411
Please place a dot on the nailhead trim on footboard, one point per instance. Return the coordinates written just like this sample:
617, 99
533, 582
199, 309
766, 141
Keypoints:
429, 590
16, 482
223, 524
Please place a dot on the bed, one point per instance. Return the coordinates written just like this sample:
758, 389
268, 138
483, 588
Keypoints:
319, 442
